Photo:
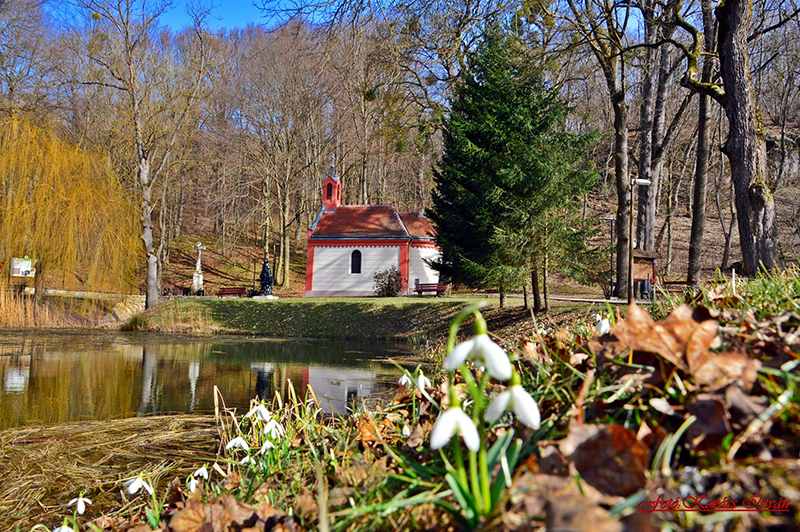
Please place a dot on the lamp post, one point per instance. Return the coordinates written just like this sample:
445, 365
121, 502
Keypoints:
643, 183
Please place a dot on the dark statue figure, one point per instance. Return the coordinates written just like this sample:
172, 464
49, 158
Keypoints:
266, 279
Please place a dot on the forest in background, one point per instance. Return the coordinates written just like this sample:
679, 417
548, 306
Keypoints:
229, 134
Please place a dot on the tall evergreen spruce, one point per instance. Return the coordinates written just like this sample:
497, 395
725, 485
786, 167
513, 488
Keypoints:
503, 190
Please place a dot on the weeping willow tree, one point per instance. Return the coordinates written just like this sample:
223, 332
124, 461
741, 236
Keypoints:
65, 207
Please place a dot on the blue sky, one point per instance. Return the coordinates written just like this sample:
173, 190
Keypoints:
227, 14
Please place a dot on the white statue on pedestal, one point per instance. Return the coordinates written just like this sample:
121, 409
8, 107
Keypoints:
197, 278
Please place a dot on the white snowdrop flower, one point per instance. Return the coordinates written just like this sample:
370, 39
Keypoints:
404, 381
246, 460
134, 485
516, 400
423, 381
193, 483
454, 421
603, 326
201, 472
81, 503
260, 411
481, 350
406, 432
274, 429
63, 528
237, 442
268, 446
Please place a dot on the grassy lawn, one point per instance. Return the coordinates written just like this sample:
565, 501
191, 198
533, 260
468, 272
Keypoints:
368, 317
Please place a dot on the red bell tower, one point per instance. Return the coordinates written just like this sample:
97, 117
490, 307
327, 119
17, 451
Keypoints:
332, 189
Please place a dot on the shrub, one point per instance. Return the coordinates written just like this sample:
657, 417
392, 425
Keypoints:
136, 323
388, 283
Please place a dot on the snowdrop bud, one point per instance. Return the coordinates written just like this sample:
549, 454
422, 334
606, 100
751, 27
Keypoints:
423, 381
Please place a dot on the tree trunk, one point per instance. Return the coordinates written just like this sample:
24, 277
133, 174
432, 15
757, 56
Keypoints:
701, 167
287, 245
151, 277
623, 188
645, 222
745, 146
525, 296
544, 284
537, 299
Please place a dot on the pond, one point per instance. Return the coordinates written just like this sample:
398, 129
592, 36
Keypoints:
58, 377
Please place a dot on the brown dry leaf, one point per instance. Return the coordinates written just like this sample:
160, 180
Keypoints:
417, 437
530, 494
650, 436
613, 461
535, 352
563, 338
265, 511
191, 519
743, 408
305, 505
240, 514
699, 343
368, 430
667, 338
576, 359
217, 514
104, 522
579, 514
231, 481
339, 496
720, 370
712, 422
176, 497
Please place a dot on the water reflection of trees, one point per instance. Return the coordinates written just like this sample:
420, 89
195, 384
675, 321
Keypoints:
70, 380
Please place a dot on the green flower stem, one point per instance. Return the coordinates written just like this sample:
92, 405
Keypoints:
458, 458
479, 468
475, 481
482, 460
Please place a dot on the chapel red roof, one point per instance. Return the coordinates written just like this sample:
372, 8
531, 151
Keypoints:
417, 225
360, 220
371, 221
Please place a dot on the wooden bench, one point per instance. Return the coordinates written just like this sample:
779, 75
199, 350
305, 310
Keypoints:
678, 287
237, 291
439, 288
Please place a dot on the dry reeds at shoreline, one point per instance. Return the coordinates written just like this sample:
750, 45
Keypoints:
44, 468
18, 311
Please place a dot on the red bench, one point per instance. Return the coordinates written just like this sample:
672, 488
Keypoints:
238, 291
439, 288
